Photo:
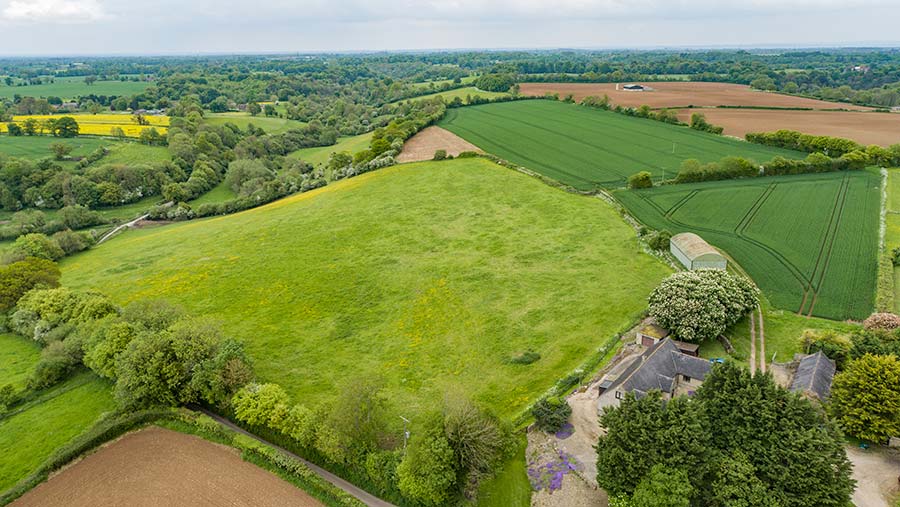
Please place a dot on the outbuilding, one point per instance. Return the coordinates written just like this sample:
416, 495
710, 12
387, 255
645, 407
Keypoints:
695, 253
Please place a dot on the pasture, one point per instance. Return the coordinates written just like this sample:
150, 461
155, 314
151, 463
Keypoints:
38, 147
462, 93
588, 148
863, 127
892, 229
102, 124
810, 242
271, 125
30, 436
682, 94
72, 87
319, 155
430, 276
17, 358
132, 153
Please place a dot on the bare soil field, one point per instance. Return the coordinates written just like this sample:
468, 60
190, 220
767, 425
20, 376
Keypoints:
423, 145
682, 94
864, 128
156, 466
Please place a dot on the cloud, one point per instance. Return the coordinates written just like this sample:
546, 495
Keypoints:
57, 11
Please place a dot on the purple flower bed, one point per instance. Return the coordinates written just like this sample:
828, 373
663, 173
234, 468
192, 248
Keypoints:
566, 431
550, 475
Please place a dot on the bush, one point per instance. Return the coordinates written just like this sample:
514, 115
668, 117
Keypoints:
865, 398
55, 365
642, 179
551, 414
262, 405
38, 245
440, 155
659, 240
427, 472
20, 277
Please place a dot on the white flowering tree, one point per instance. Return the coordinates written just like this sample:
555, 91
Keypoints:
699, 305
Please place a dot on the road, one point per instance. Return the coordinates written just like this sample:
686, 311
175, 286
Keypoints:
362, 495
121, 227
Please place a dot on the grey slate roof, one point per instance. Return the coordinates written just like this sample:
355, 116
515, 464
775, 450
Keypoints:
657, 368
814, 376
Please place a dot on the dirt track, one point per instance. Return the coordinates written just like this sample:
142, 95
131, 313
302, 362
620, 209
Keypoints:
681, 94
876, 472
423, 145
864, 128
155, 467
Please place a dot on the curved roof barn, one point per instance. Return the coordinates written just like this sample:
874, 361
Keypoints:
695, 253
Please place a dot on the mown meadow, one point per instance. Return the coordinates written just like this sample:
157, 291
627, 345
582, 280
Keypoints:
587, 148
810, 242
430, 276
38, 147
71, 87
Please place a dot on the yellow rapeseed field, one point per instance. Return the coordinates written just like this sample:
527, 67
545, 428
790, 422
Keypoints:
102, 124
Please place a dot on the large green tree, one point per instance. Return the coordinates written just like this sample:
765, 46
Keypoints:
663, 487
865, 397
20, 277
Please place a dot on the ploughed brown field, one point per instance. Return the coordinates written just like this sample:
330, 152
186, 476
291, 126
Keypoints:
681, 94
157, 466
865, 128
423, 145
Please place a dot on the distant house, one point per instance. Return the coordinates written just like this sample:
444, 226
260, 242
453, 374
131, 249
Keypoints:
695, 253
633, 88
814, 376
650, 334
662, 367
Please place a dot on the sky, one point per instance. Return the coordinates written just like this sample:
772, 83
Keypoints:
103, 27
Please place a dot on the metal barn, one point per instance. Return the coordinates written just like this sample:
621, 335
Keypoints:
695, 253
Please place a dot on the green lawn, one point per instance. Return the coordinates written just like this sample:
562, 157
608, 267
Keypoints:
38, 147
588, 148
320, 154
219, 193
810, 242
131, 153
510, 487
71, 87
271, 125
428, 275
29, 437
17, 358
462, 93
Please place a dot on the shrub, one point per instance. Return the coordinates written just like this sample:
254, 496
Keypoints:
527, 357
56, 363
262, 405
659, 240
642, 179
865, 398
427, 472
20, 277
835, 346
886, 321
440, 155
38, 245
72, 242
467, 154
550, 414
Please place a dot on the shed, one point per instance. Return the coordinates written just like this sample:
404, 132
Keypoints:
695, 253
633, 87
814, 376
651, 334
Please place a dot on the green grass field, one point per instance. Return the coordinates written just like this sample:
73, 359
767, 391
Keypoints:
271, 125
30, 436
320, 154
219, 193
38, 147
71, 87
892, 230
588, 148
429, 275
131, 153
810, 242
17, 358
462, 93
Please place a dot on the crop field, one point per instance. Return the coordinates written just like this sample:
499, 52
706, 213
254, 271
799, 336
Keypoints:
319, 155
810, 242
863, 127
682, 94
430, 276
102, 124
156, 466
71, 87
30, 436
588, 148
271, 125
17, 358
38, 147
430, 139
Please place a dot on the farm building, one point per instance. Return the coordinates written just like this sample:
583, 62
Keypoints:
695, 253
633, 88
662, 367
814, 376
650, 334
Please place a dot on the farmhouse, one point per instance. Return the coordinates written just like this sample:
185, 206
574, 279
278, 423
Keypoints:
695, 253
662, 367
814, 376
